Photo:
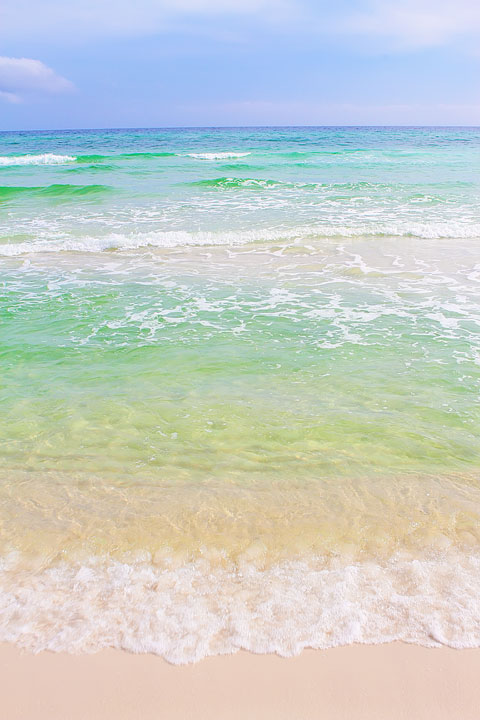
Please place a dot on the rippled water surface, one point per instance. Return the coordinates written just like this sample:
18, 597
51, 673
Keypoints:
239, 376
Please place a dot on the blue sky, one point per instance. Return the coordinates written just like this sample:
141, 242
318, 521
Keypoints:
154, 63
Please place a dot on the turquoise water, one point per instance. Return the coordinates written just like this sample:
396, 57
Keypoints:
247, 362
116, 189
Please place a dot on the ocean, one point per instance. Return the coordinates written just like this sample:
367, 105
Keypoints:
239, 382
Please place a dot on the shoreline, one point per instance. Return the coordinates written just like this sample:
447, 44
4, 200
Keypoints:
359, 682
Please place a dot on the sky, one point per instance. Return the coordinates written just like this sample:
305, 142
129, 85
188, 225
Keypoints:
172, 63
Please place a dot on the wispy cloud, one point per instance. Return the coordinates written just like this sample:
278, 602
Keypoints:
94, 18
404, 23
20, 77
9, 97
415, 23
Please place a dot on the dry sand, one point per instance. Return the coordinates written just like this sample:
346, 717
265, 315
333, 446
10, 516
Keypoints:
384, 682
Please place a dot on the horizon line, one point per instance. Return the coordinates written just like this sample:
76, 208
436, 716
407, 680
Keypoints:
241, 127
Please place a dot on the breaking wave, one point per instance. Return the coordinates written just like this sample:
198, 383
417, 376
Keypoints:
176, 238
43, 159
231, 182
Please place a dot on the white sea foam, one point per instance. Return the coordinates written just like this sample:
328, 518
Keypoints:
217, 155
134, 241
187, 612
178, 238
43, 159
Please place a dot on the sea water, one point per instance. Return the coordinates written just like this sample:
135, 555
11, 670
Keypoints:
239, 382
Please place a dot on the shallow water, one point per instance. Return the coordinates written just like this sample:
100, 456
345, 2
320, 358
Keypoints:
245, 362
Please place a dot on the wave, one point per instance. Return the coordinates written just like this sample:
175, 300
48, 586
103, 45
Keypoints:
178, 238
52, 191
134, 241
43, 159
374, 152
92, 158
100, 158
53, 159
226, 182
148, 154
94, 167
233, 182
361, 185
189, 611
217, 155
303, 153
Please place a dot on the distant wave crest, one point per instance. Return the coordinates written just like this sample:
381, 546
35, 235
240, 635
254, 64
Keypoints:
217, 155
232, 182
162, 154
42, 159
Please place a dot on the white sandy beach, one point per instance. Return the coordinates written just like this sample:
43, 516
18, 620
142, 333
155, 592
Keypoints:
369, 682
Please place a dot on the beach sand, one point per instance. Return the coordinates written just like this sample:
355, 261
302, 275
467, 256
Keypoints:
360, 682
